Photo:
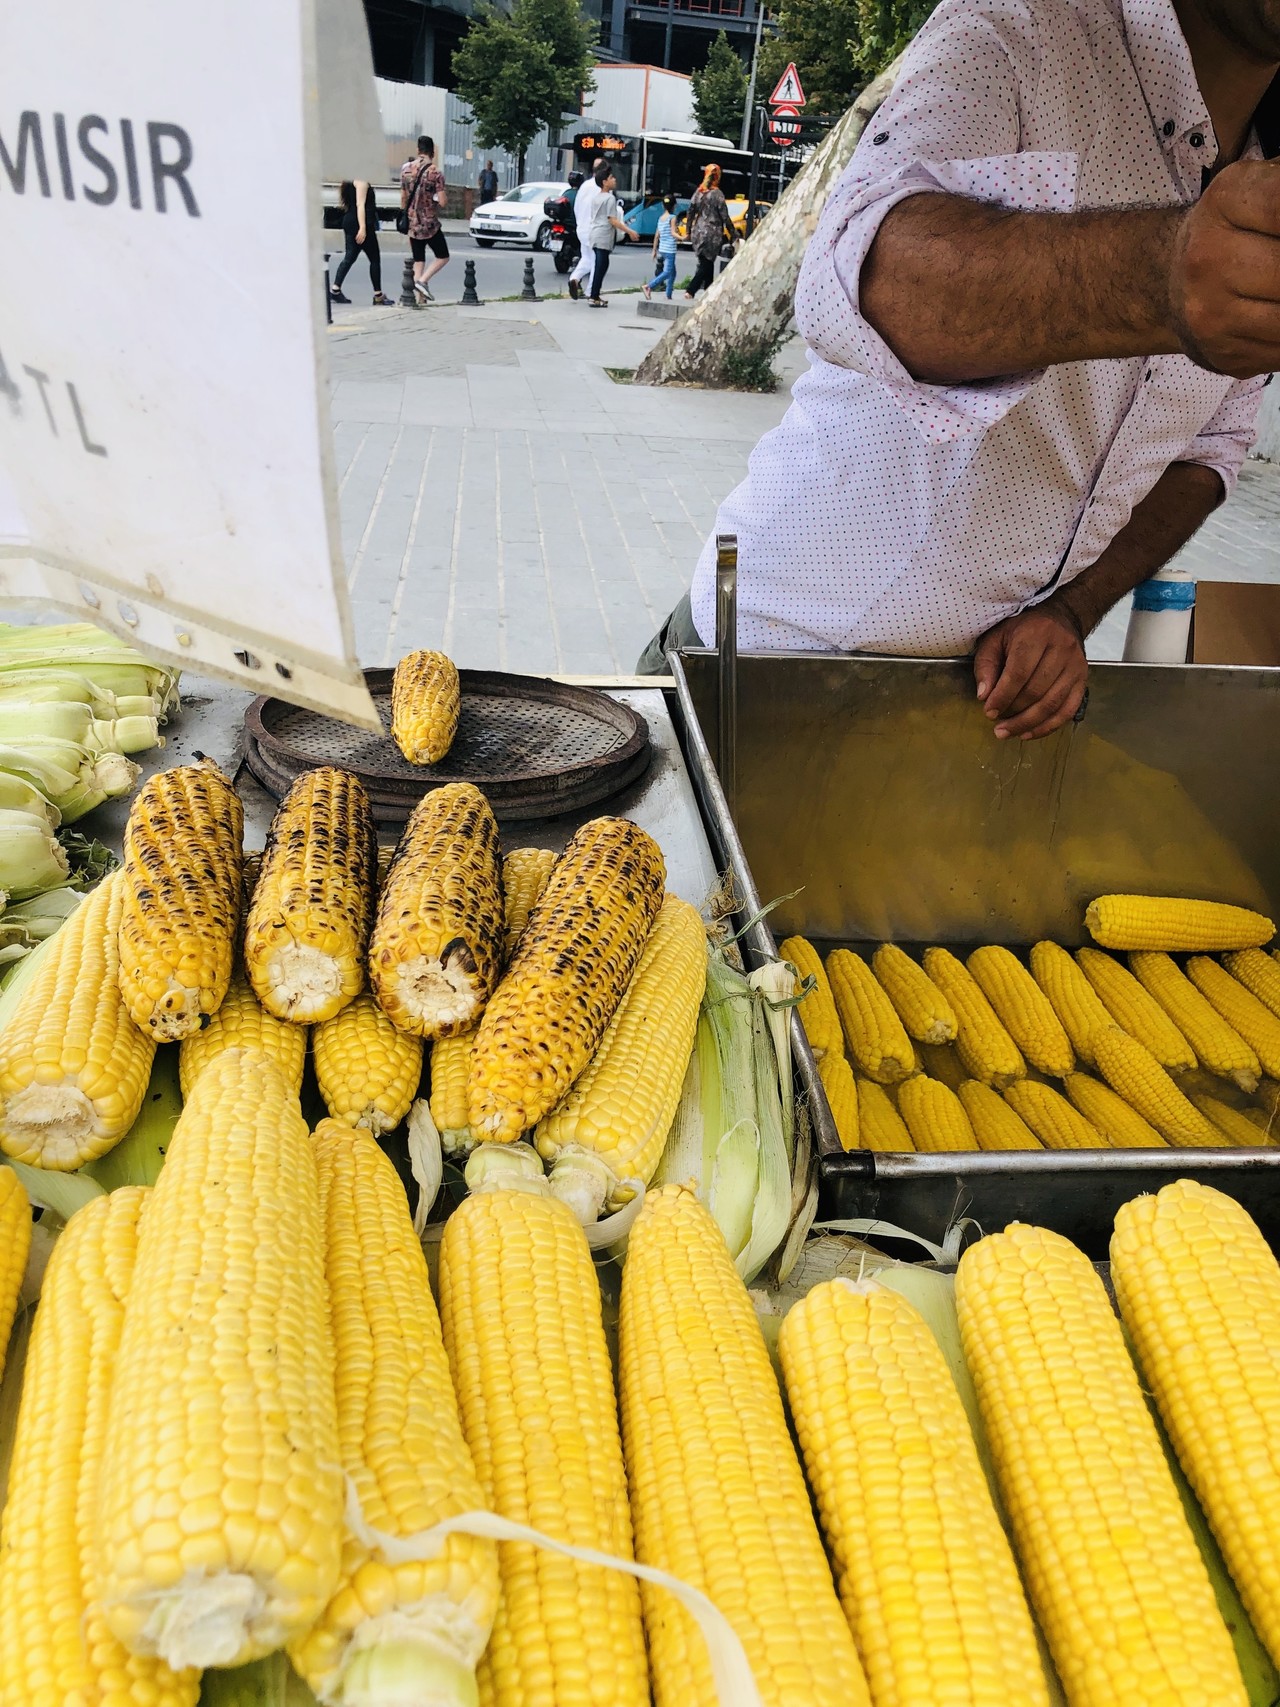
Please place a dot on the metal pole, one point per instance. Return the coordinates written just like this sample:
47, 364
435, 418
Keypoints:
328, 299
754, 187
727, 664
666, 46
751, 86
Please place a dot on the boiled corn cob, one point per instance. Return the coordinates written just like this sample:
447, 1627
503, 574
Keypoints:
880, 1126
241, 1022
716, 1492
923, 1567
450, 1075
402, 1449
986, 1050
995, 1125
1218, 1047
535, 1391
1051, 1117
1073, 998
1135, 1074
817, 1010
55, 1647
1119, 1123
1233, 1123
1113, 1571
308, 927
181, 909
15, 1243
607, 1136
367, 1071
935, 1116
842, 1096
1174, 926
875, 1037
1023, 1009
233, 1419
571, 969
524, 876
1136, 1011
1199, 1292
921, 1006
73, 1066
426, 700
436, 949
1240, 1008
1258, 972
940, 1061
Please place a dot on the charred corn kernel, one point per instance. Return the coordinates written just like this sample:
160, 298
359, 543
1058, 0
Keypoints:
401, 1445
368, 1072
817, 1010
1136, 1011
73, 1066
995, 1125
1199, 1292
1250, 1018
1174, 926
15, 1242
1258, 972
940, 1061
308, 927
1023, 1009
535, 1390
1071, 995
570, 971
241, 1022
55, 1647
232, 1421
524, 876
1111, 1566
1233, 1123
1218, 1047
180, 915
620, 1109
923, 1566
986, 1050
1135, 1074
1051, 1117
880, 1126
874, 1035
935, 1116
436, 949
426, 701
921, 1006
716, 1491
842, 1096
1121, 1125
450, 1075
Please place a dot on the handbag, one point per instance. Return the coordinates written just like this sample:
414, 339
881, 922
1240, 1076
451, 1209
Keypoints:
402, 218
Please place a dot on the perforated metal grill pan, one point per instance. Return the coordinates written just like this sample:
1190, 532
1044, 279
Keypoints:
536, 747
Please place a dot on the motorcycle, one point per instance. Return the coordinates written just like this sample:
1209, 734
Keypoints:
562, 240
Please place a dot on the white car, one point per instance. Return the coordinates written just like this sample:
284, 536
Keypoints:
517, 217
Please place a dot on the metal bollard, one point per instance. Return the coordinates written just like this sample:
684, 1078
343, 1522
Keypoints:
469, 297
407, 298
328, 299
529, 293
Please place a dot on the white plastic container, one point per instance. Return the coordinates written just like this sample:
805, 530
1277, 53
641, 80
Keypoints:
1160, 621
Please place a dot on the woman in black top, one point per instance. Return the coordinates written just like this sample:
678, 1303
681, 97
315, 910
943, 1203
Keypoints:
360, 226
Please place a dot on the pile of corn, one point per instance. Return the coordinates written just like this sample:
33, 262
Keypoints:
1121, 1046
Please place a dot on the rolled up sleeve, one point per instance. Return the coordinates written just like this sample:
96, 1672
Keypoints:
1223, 443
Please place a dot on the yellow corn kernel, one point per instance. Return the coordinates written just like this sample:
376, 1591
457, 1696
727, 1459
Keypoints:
921, 1006
986, 1050
15, 1243
1072, 997
1051, 1117
940, 1061
880, 1126
1119, 1123
1258, 972
874, 1035
1135, 1074
524, 876
241, 1022
1219, 1048
426, 702
995, 1125
1233, 1123
450, 1075
1023, 1009
842, 1095
366, 1069
817, 1010
1240, 1008
1136, 1011
1174, 926
934, 1115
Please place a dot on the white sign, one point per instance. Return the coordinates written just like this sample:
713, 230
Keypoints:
166, 456
788, 92
784, 126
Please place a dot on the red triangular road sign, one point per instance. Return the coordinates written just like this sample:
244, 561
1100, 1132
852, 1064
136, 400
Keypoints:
789, 92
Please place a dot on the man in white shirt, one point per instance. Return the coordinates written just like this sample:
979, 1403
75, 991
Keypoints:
584, 205
1040, 306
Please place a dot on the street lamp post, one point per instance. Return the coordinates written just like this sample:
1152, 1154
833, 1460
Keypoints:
745, 138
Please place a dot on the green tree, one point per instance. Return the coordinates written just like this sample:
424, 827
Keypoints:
838, 46
719, 91
520, 73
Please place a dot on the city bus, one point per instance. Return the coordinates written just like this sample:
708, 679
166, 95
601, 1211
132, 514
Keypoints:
659, 163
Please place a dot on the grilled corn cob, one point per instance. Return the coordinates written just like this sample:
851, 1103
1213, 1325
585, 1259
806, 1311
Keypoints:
609, 1132
450, 1075
874, 1035
232, 1421
426, 699
995, 1125
73, 1066
1119, 1123
817, 1010
55, 1647
716, 1492
436, 948
402, 1450
1135, 1074
986, 1050
1218, 1047
1023, 1009
1250, 1018
308, 927
1136, 1011
1234, 1125
535, 1390
940, 1061
181, 898
1111, 1566
920, 1004
1199, 1292
1258, 972
923, 1567
368, 1072
1174, 927
842, 1095
241, 1022
524, 876
1051, 1117
1072, 996
15, 1242
935, 1116
880, 1126
574, 962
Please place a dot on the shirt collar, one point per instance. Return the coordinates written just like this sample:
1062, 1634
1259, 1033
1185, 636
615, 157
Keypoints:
1162, 60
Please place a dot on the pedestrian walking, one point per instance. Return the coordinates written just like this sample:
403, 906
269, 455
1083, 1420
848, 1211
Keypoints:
583, 206
709, 226
606, 227
422, 195
488, 184
664, 251
359, 207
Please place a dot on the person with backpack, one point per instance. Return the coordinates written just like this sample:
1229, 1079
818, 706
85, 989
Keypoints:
422, 195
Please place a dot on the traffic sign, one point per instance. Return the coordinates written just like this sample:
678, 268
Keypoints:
789, 92
784, 126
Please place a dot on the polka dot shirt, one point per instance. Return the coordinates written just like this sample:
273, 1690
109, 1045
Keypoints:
887, 515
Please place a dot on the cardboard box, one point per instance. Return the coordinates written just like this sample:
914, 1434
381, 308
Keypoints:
1236, 622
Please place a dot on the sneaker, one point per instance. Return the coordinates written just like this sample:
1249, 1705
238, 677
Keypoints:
422, 291
575, 289
337, 296
381, 301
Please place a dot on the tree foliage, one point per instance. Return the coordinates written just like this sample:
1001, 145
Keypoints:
720, 92
838, 46
520, 73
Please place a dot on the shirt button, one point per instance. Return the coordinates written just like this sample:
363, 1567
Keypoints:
1169, 127
1197, 139
881, 136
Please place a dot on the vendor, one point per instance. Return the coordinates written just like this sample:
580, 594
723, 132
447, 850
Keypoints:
1040, 306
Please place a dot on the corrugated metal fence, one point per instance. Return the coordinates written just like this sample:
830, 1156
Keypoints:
410, 110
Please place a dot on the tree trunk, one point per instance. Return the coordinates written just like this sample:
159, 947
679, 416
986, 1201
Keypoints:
751, 304
520, 167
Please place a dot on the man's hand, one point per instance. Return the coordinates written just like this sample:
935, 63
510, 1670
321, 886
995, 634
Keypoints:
1224, 296
1031, 672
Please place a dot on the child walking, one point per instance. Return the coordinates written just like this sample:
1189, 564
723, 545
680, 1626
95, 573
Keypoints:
664, 251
